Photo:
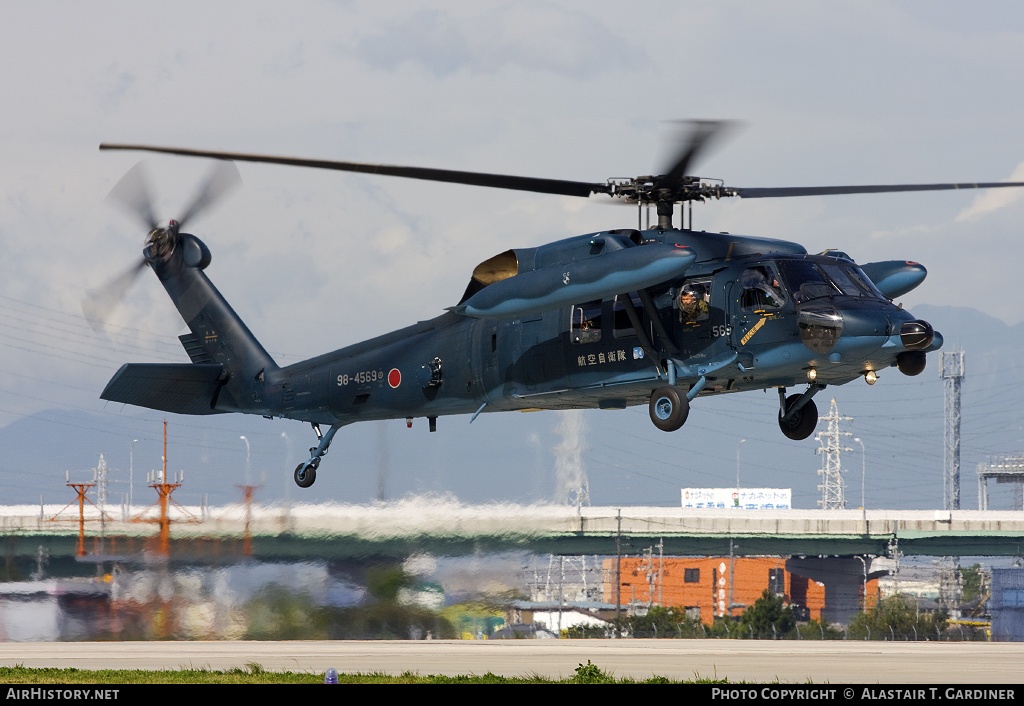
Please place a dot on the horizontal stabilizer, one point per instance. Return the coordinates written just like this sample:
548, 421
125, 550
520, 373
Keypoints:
181, 388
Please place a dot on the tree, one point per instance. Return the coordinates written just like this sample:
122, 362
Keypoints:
971, 582
661, 621
768, 618
896, 617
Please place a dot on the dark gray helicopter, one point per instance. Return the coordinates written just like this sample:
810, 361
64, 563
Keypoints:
603, 320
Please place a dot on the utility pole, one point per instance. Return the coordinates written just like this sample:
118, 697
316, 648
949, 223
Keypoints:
951, 592
247, 493
618, 569
164, 489
80, 491
953, 373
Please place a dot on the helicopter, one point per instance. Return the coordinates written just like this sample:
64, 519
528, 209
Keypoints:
661, 316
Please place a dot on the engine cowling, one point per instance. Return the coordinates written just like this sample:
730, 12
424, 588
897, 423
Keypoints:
596, 277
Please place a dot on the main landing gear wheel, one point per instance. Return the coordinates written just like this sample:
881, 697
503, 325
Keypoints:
305, 475
668, 408
802, 423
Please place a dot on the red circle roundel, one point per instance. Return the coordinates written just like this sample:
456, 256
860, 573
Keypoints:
394, 377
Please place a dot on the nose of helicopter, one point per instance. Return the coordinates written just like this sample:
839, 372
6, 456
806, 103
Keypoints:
913, 361
839, 330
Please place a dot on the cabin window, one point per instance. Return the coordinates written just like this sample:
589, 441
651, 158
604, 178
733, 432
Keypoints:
586, 322
693, 300
691, 575
622, 326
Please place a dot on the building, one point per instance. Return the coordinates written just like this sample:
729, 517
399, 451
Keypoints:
830, 589
1007, 605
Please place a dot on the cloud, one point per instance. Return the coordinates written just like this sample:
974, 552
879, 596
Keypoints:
993, 200
426, 37
984, 204
445, 43
115, 87
919, 229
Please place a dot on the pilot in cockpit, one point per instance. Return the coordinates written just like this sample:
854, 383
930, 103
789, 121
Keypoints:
693, 304
760, 289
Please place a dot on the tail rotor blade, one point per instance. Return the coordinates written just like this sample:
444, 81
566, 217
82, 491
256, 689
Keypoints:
99, 305
133, 193
223, 177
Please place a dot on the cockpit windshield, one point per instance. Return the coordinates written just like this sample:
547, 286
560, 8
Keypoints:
810, 280
863, 281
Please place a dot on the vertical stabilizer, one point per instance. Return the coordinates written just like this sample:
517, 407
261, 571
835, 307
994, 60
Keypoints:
218, 335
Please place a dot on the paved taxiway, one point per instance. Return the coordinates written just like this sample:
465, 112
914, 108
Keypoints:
739, 660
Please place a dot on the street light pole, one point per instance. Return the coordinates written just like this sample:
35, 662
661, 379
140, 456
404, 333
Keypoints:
865, 584
131, 472
863, 467
248, 464
737, 501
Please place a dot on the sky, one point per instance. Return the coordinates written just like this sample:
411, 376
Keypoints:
824, 94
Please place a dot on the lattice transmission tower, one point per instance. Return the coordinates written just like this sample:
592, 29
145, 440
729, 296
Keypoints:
832, 487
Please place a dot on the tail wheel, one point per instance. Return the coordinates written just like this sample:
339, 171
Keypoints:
802, 423
305, 475
668, 408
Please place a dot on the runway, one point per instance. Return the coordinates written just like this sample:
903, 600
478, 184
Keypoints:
755, 661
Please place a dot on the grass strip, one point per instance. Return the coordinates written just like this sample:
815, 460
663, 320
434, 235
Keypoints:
253, 673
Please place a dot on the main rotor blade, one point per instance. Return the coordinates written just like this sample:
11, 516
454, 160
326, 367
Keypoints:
694, 137
452, 176
223, 177
778, 192
132, 192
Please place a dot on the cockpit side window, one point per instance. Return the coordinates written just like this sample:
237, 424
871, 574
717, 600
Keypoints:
761, 289
808, 280
805, 281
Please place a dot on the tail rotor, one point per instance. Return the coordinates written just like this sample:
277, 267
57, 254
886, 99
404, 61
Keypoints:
133, 194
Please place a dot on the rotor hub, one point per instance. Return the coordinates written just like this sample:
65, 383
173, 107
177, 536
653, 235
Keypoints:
160, 242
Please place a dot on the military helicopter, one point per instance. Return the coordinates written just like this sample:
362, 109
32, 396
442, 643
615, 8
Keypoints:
661, 315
